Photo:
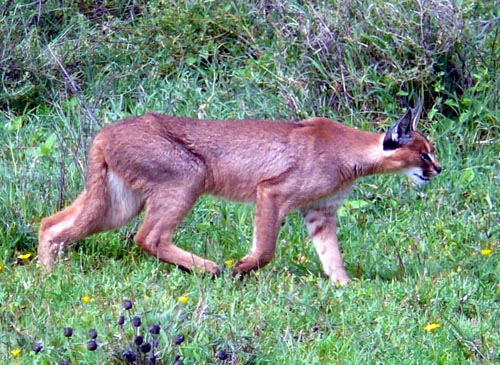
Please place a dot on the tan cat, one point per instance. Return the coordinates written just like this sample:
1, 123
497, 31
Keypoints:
165, 163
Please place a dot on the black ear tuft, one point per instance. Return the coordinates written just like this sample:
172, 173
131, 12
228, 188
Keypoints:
415, 114
400, 132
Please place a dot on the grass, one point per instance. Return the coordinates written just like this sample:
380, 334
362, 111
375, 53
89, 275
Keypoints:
424, 263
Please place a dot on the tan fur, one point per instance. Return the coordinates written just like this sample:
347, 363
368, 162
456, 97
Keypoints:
165, 163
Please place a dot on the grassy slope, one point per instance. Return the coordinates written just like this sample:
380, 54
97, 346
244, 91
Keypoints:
415, 256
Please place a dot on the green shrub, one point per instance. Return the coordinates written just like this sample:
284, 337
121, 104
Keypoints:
318, 56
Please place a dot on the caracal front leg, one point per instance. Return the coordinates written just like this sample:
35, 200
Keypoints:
322, 227
268, 219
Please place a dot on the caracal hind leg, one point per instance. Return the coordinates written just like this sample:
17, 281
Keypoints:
110, 204
80, 219
268, 219
165, 211
322, 227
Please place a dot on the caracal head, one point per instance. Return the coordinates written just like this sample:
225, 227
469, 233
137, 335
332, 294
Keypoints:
414, 152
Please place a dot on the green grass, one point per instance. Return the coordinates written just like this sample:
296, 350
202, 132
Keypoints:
417, 257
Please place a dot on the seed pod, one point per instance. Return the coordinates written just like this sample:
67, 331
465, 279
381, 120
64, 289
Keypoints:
178, 339
221, 355
92, 345
154, 329
146, 348
139, 340
127, 304
130, 356
121, 320
37, 347
136, 321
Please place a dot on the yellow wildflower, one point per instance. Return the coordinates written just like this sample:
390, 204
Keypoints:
184, 299
86, 299
486, 252
16, 352
25, 256
432, 326
229, 263
1, 267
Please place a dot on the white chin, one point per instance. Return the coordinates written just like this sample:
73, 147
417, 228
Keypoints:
416, 175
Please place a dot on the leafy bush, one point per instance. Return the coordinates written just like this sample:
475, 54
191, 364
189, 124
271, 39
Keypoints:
350, 55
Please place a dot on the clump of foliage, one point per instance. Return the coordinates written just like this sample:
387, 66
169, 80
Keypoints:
133, 342
346, 55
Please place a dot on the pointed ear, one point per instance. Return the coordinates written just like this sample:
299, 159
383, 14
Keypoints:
400, 132
415, 114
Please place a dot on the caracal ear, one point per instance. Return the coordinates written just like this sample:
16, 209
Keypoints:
400, 132
415, 114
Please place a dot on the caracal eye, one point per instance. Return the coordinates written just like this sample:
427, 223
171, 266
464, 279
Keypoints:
426, 157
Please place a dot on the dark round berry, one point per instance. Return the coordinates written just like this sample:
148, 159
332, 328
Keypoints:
127, 304
64, 362
93, 334
92, 345
146, 348
139, 340
177, 357
129, 356
68, 332
154, 329
178, 362
178, 339
221, 355
136, 321
315, 329
37, 347
121, 320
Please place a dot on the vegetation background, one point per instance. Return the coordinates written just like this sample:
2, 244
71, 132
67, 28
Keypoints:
425, 286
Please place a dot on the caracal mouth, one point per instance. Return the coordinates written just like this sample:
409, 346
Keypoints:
416, 176
423, 179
